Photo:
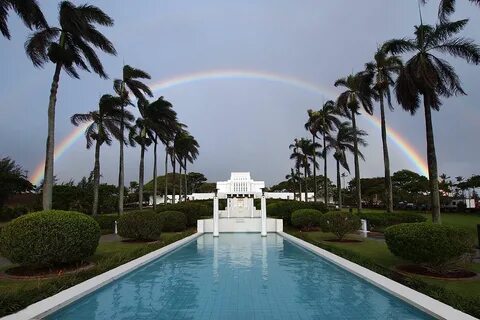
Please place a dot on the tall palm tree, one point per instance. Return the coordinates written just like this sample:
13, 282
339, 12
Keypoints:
69, 47
304, 151
294, 177
129, 82
161, 119
447, 7
382, 69
357, 94
344, 142
323, 122
427, 75
104, 123
141, 134
187, 151
28, 10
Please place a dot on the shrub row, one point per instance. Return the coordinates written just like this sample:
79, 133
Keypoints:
284, 209
49, 238
192, 210
377, 220
148, 224
106, 221
7, 214
306, 219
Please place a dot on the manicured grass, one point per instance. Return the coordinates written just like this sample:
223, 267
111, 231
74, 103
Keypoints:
17, 294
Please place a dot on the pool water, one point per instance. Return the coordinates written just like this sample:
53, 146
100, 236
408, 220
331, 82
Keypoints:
239, 276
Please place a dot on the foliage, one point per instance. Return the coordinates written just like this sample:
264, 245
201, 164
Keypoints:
173, 221
140, 225
192, 210
7, 214
284, 209
306, 219
436, 246
106, 221
195, 180
339, 223
12, 179
382, 219
47, 238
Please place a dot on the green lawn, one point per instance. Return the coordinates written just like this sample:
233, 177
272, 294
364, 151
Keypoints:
17, 294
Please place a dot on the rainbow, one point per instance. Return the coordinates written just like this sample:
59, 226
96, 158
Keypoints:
234, 74
60, 150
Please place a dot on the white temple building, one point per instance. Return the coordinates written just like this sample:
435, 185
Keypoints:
240, 214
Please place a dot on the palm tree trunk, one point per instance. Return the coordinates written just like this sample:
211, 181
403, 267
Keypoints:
432, 163
180, 192
96, 178
50, 147
357, 165
155, 183
141, 176
173, 178
386, 158
325, 178
166, 177
315, 190
186, 180
306, 181
299, 189
339, 186
121, 173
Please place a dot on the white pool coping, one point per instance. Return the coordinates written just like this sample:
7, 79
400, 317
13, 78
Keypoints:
419, 300
47, 306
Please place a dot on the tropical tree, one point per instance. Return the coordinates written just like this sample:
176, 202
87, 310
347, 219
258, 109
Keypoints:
344, 142
323, 122
427, 75
13, 179
187, 151
293, 178
304, 151
358, 94
28, 10
69, 47
130, 82
104, 124
382, 69
447, 7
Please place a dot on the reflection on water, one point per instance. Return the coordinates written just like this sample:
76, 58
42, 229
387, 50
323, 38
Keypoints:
239, 276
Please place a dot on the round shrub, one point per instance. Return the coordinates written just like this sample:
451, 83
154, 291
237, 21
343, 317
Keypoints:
140, 225
434, 245
192, 210
380, 220
48, 238
340, 223
173, 221
106, 221
284, 209
306, 219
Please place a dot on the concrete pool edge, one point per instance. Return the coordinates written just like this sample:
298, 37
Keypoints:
49, 305
419, 300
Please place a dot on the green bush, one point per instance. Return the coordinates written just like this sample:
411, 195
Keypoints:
436, 246
378, 220
7, 214
192, 210
140, 225
173, 221
340, 223
48, 238
306, 219
284, 209
106, 222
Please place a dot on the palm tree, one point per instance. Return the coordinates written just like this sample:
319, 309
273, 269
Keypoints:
294, 177
447, 7
382, 69
68, 47
104, 123
129, 82
358, 94
187, 152
345, 142
304, 151
141, 134
160, 117
323, 122
431, 77
28, 10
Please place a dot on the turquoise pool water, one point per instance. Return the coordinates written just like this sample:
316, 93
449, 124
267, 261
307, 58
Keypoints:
239, 276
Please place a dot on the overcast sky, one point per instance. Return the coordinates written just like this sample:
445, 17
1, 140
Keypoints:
241, 124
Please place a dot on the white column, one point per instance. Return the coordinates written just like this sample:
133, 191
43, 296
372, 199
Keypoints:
251, 206
264, 216
215, 217
228, 207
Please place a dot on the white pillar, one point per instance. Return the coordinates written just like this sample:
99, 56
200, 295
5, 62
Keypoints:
264, 216
229, 201
215, 217
251, 206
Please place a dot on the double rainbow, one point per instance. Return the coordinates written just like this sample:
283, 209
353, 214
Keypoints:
225, 74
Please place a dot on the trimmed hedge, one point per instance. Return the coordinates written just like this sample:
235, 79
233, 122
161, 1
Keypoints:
173, 221
284, 209
140, 225
434, 245
106, 222
306, 219
377, 220
192, 210
48, 238
340, 223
